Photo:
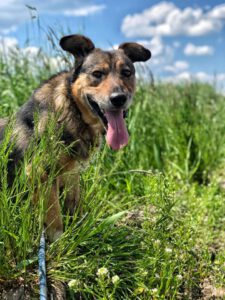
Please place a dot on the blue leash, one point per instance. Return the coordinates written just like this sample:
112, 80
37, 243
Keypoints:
42, 268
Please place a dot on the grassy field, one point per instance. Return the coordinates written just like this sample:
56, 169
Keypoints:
152, 220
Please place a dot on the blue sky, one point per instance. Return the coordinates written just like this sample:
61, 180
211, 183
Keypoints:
187, 38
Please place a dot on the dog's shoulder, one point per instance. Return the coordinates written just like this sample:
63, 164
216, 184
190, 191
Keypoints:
44, 99
50, 88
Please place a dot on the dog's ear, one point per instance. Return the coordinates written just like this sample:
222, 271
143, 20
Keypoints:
76, 44
135, 51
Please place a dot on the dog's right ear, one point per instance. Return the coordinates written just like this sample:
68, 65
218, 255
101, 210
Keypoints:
78, 45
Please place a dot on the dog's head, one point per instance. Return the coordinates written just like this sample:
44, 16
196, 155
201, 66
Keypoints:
104, 83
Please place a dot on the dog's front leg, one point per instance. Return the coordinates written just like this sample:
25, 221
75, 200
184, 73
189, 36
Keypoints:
69, 180
72, 183
53, 217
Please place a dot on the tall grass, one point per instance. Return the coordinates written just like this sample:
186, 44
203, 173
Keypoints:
178, 129
151, 216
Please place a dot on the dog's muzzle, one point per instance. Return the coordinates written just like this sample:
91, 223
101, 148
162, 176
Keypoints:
118, 99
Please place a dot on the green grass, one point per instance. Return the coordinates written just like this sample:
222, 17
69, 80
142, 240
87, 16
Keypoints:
152, 214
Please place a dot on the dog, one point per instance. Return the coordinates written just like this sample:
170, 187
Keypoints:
90, 101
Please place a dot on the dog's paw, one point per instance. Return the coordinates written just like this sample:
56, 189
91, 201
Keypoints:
56, 235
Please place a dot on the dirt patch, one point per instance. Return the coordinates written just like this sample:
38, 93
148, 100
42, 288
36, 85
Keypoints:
14, 290
209, 291
21, 292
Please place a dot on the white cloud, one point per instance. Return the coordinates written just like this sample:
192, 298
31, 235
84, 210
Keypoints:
203, 77
166, 19
140, 24
8, 30
31, 51
155, 45
85, 11
10, 44
183, 76
7, 44
161, 53
217, 80
177, 66
221, 77
218, 12
194, 50
55, 62
15, 12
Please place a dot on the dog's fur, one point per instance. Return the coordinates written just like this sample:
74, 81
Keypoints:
79, 98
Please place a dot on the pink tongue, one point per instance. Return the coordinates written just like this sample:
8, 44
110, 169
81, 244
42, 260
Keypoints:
117, 135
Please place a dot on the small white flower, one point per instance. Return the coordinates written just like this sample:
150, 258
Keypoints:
143, 272
115, 279
179, 276
168, 250
153, 219
102, 271
109, 248
73, 283
154, 291
157, 242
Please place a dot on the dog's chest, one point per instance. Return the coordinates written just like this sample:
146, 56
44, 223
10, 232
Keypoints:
81, 140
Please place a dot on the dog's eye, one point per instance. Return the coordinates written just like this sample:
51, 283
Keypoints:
126, 73
98, 74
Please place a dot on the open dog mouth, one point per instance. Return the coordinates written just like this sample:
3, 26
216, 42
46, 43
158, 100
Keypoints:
97, 110
100, 112
116, 131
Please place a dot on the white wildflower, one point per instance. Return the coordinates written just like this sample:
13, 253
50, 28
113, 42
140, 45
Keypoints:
102, 272
157, 242
143, 272
168, 250
73, 283
115, 279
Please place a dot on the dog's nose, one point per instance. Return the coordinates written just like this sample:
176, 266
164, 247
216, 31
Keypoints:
118, 99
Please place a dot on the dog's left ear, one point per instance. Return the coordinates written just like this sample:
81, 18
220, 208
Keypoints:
135, 51
77, 44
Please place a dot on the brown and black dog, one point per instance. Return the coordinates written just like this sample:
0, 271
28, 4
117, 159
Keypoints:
90, 100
